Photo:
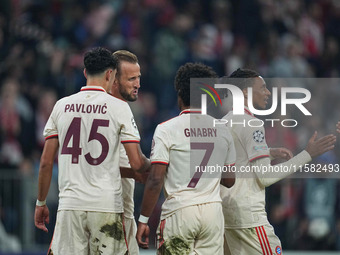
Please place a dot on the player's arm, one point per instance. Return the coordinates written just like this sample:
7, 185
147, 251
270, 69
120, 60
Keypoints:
228, 177
314, 148
280, 153
127, 172
338, 127
45, 175
152, 190
137, 159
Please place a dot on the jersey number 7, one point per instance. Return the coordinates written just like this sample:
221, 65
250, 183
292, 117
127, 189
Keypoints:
208, 147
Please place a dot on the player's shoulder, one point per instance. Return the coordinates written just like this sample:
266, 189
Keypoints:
65, 100
117, 104
170, 122
239, 117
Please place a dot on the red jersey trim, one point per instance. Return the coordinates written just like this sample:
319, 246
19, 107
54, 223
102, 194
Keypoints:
248, 112
159, 162
262, 156
130, 141
93, 89
51, 136
190, 111
183, 112
167, 120
233, 164
117, 97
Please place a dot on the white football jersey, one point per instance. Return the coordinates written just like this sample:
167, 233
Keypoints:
128, 185
244, 203
189, 145
89, 126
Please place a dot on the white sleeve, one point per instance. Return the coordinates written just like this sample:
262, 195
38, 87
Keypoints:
254, 142
231, 155
129, 131
160, 151
266, 178
50, 129
123, 158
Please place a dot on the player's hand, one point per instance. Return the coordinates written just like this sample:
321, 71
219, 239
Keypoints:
41, 216
281, 153
338, 127
141, 177
143, 232
316, 147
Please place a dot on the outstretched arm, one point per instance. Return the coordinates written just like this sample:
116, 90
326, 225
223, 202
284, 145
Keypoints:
280, 153
314, 148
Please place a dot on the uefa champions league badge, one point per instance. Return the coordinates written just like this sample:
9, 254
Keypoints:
258, 136
278, 250
134, 123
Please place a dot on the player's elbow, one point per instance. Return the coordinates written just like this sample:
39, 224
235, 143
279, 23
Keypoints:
46, 165
154, 182
228, 179
265, 182
140, 165
228, 182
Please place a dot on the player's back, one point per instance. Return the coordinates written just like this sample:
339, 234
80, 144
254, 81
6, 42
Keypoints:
195, 147
88, 125
244, 203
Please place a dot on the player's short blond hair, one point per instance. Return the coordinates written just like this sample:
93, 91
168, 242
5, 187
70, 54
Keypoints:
124, 55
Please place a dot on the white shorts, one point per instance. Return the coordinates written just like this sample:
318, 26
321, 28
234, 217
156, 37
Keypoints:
256, 241
83, 233
131, 231
196, 229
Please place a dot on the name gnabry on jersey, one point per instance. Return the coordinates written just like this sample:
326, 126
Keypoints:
200, 132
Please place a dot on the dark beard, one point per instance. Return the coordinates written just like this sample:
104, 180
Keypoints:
127, 97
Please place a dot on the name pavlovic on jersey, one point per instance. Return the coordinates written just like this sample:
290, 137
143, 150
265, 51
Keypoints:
184, 143
89, 126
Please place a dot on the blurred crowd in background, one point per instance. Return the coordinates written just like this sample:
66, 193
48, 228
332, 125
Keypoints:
41, 60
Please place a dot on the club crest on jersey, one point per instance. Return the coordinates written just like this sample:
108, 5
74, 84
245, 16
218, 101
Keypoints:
152, 147
278, 250
258, 136
133, 123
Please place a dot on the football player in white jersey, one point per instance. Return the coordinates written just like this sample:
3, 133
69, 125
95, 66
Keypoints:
88, 127
191, 218
247, 230
125, 87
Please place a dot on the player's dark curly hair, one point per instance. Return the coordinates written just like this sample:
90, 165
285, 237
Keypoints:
98, 60
187, 71
241, 78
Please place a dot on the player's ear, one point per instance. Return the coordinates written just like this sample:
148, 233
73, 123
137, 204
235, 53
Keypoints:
109, 75
115, 81
85, 74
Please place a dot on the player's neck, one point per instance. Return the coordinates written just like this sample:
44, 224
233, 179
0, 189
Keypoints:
97, 82
182, 108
